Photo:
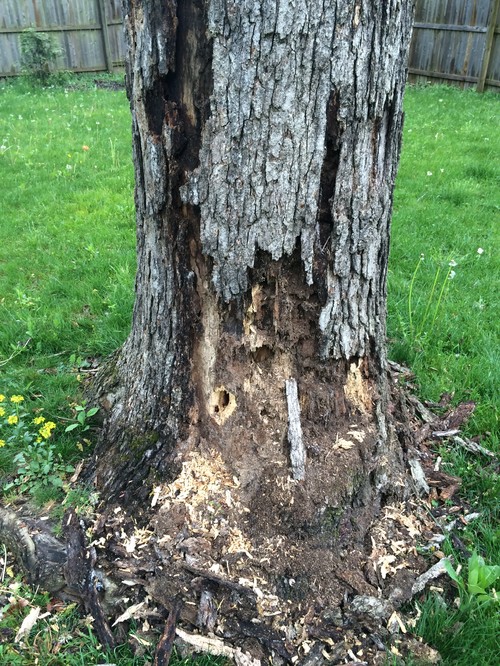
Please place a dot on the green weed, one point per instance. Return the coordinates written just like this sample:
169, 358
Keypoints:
39, 53
27, 439
83, 416
446, 209
481, 577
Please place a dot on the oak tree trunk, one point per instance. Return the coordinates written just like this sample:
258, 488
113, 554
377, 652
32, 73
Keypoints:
248, 410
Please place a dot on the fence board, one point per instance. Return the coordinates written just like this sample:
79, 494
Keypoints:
76, 26
449, 38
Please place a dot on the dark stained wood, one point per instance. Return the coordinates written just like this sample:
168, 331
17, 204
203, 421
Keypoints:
166, 643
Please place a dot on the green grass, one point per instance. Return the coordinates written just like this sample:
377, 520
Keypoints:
446, 208
67, 257
67, 263
447, 216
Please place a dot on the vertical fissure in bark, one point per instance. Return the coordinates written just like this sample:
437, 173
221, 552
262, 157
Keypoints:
327, 190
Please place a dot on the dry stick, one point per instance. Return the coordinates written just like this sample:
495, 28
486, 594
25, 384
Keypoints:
297, 449
166, 643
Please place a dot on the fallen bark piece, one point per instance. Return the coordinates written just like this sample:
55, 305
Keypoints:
435, 571
442, 434
81, 576
297, 449
217, 648
378, 609
425, 414
473, 447
418, 477
27, 624
130, 612
40, 555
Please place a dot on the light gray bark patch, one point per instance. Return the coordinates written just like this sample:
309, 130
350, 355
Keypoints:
297, 449
262, 148
154, 172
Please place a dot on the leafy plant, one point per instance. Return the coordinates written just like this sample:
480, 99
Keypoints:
39, 53
82, 417
481, 577
37, 463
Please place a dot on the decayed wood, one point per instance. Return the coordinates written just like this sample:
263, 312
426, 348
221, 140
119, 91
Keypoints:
242, 154
36, 550
81, 576
166, 643
266, 137
217, 647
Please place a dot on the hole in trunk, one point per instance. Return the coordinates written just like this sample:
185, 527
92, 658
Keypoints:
222, 404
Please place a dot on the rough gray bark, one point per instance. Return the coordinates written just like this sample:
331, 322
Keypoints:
266, 140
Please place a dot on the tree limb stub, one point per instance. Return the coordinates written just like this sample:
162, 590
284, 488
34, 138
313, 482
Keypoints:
40, 555
297, 449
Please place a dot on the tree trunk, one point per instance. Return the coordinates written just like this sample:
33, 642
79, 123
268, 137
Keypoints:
248, 408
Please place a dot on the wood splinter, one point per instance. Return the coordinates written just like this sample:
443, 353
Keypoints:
297, 448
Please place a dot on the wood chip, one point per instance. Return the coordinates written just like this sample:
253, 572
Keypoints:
473, 447
435, 571
27, 624
217, 648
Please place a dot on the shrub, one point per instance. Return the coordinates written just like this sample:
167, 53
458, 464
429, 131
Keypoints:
38, 55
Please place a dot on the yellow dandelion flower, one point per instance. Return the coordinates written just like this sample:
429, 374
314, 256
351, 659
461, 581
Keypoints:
16, 399
38, 420
2, 411
38, 440
12, 419
2, 397
2, 443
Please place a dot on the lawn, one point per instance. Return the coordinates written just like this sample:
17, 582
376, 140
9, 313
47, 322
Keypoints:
67, 263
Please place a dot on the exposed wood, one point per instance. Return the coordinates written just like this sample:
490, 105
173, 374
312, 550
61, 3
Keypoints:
217, 648
297, 448
219, 580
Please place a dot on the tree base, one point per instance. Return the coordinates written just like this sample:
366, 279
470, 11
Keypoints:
268, 586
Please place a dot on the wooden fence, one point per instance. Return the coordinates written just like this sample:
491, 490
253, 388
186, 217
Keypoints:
457, 40
88, 32
453, 40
